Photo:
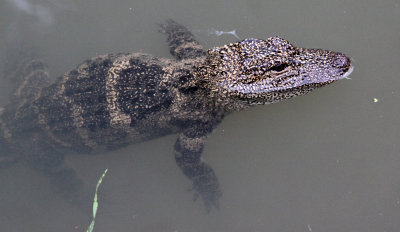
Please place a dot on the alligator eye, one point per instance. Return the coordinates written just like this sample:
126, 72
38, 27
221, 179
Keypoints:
279, 67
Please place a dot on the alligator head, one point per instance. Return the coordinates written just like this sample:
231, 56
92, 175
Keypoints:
265, 71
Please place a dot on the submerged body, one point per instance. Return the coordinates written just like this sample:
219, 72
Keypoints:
118, 99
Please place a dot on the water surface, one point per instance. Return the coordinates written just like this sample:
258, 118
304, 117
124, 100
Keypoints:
327, 161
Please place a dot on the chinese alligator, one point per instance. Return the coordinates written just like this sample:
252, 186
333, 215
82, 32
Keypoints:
114, 100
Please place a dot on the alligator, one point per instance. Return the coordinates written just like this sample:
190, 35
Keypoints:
114, 100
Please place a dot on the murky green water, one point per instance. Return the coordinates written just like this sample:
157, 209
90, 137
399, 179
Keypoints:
327, 161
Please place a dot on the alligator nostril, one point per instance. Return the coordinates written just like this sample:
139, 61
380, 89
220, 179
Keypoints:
341, 61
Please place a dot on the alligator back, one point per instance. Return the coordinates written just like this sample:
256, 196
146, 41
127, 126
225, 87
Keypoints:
105, 103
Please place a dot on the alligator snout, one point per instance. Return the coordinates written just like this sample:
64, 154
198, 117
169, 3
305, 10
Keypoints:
341, 61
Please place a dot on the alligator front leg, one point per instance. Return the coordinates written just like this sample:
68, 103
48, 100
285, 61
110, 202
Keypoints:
188, 151
181, 41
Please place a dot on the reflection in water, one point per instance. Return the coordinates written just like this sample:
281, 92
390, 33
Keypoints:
40, 12
218, 33
43, 13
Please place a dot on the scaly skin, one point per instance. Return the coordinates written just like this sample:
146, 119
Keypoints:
114, 100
